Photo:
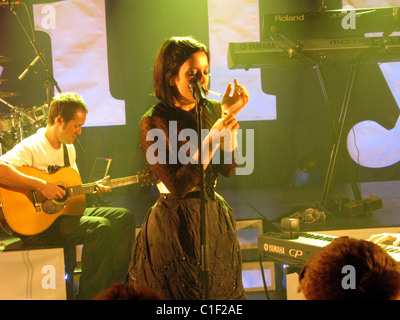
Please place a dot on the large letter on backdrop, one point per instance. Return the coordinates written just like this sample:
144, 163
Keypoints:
237, 21
370, 144
79, 47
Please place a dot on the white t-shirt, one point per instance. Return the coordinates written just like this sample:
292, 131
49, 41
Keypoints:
37, 152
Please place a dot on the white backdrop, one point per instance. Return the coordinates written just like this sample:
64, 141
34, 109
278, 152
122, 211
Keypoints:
237, 21
79, 48
370, 144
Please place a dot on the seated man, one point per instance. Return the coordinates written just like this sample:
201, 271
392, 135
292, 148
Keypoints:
350, 269
106, 233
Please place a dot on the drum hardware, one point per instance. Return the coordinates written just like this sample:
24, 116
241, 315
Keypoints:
30, 119
4, 146
5, 122
40, 113
17, 125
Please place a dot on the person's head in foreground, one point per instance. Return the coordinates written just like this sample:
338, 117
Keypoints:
351, 269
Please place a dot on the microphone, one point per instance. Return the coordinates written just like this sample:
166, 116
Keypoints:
8, 3
197, 91
23, 74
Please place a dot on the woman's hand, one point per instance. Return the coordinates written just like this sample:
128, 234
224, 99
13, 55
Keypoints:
237, 101
227, 130
228, 122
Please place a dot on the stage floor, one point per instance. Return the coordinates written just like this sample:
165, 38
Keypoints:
274, 203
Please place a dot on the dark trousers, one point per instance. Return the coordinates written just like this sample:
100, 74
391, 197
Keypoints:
107, 235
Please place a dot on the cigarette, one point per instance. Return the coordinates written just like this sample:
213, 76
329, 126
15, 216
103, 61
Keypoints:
214, 93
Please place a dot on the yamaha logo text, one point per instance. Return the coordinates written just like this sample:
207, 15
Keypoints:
274, 248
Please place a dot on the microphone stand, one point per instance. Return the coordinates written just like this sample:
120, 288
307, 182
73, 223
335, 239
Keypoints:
198, 94
49, 77
203, 215
50, 82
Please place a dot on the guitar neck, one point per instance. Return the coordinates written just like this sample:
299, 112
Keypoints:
120, 182
91, 187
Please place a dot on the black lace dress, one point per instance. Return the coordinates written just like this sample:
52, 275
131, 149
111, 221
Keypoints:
166, 255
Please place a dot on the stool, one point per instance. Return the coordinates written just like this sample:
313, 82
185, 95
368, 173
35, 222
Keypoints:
70, 265
10, 243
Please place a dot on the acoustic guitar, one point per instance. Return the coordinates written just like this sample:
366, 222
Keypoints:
28, 212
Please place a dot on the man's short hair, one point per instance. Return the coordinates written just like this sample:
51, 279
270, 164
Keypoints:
66, 105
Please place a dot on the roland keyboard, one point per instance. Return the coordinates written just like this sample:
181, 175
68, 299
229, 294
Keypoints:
321, 37
330, 24
272, 246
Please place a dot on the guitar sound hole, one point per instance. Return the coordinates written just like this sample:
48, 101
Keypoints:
55, 206
63, 199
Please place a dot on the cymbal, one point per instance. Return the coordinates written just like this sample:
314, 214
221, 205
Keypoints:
3, 80
4, 59
8, 94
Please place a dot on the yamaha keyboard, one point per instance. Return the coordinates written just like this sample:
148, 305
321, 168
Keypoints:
247, 55
296, 252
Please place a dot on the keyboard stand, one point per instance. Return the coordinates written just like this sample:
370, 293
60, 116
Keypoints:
295, 48
339, 122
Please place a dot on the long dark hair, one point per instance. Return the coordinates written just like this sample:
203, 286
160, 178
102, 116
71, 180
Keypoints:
171, 56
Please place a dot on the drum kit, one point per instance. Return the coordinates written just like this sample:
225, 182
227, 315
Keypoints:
20, 122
